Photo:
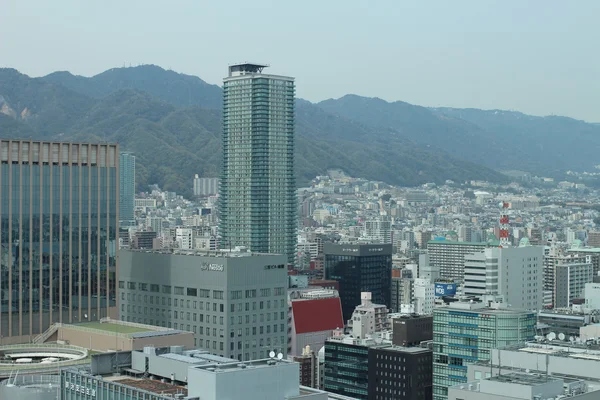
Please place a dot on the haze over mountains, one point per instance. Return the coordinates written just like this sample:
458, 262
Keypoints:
173, 124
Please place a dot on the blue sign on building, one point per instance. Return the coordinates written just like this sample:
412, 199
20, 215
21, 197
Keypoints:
445, 289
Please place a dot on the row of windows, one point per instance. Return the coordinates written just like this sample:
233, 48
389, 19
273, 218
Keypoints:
194, 292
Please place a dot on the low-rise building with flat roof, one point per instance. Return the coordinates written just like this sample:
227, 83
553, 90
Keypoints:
115, 335
524, 386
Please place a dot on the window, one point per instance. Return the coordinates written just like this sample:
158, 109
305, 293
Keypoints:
250, 293
204, 293
236, 294
261, 306
279, 291
144, 287
192, 292
131, 285
265, 292
178, 290
121, 285
218, 294
166, 289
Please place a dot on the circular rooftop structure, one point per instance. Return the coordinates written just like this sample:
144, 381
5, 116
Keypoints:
39, 357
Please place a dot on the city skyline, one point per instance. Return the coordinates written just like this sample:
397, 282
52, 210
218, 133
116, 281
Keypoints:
503, 55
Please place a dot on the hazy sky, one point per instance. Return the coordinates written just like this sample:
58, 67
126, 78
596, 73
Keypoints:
539, 57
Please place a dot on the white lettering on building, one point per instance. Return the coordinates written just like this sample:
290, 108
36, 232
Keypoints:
211, 267
80, 389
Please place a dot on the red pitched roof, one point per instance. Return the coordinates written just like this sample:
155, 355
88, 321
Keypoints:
317, 315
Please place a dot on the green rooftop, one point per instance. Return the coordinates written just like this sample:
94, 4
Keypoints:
113, 328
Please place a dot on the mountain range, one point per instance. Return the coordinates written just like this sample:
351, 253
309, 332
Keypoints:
172, 122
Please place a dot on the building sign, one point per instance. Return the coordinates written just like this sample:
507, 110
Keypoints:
278, 266
351, 250
376, 249
72, 387
445, 289
211, 267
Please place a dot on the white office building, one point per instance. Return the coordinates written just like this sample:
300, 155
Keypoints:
424, 296
515, 273
570, 280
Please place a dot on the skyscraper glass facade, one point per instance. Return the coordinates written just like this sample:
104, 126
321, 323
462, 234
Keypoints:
58, 234
467, 333
258, 188
126, 188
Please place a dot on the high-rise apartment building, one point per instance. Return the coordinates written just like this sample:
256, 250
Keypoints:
593, 239
258, 202
360, 268
466, 332
126, 189
379, 230
515, 273
449, 256
58, 234
235, 303
205, 186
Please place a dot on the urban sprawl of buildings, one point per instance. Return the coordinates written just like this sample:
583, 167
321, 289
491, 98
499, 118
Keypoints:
256, 289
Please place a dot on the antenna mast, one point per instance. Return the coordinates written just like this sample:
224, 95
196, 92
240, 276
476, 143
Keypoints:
504, 225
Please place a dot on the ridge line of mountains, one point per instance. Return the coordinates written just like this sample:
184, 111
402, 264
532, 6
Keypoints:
172, 122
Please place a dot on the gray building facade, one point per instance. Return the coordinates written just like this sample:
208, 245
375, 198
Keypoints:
235, 303
58, 234
258, 201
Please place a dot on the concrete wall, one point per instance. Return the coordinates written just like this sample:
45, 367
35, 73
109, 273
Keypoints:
185, 339
103, 341
94, 341
160, 366
316, 340
557, 365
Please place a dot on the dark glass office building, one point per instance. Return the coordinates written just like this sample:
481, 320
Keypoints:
347, 369
400, 373
360, 268
362, 369
58, 234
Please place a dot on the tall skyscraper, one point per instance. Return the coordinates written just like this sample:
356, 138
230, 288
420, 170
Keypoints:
58, 234
258, 187
127, 188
